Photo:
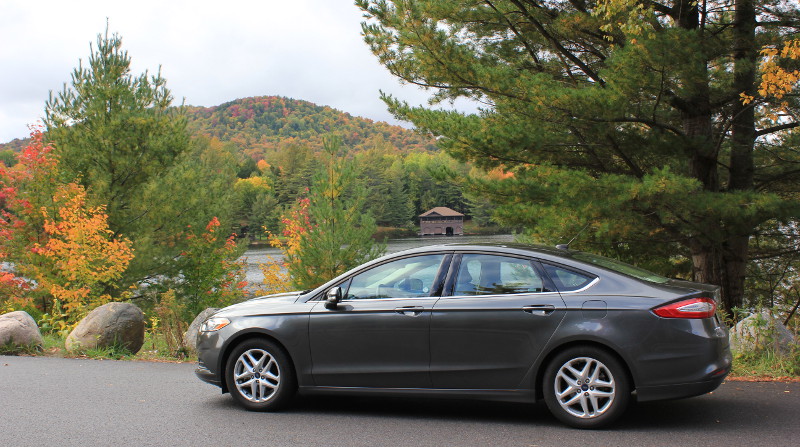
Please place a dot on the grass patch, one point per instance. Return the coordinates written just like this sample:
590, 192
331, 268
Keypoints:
114, 352
154, 349
53, 345
14, 349
766, 364
766, 346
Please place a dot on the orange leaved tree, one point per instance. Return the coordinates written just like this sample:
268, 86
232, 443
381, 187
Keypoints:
84, 255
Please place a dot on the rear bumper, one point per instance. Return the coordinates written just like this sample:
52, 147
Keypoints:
679, 391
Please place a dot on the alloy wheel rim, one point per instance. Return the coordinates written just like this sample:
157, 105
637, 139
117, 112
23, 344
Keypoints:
257, 375
585, 388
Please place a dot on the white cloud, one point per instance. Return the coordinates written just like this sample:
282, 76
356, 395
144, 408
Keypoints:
209, 52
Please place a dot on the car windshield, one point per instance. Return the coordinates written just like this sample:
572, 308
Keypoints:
620, 267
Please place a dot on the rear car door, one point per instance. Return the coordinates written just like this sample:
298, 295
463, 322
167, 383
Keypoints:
497, 317
379, 336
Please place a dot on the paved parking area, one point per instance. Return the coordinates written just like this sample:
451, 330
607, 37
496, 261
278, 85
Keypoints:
75, 402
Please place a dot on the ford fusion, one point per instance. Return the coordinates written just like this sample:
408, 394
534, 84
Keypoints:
586, 334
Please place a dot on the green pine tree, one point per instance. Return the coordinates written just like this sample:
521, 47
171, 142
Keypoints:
119, 136
341, 231
623, 115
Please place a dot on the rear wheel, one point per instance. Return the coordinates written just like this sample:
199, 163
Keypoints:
260, 376
586, 387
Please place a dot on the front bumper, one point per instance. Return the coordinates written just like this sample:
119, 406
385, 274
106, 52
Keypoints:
207, 376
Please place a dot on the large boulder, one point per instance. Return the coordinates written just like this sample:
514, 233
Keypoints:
19, 329
762, 330
112, 324
190, 337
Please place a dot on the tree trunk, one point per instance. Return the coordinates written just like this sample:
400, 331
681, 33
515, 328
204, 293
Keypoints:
745, 53
743, 131
705, 263
734, 263
724, 266
724, 263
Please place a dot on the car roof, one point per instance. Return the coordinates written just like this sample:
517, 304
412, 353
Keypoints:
542, 251
556, 255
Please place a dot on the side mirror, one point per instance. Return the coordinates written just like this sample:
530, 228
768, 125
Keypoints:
333, 297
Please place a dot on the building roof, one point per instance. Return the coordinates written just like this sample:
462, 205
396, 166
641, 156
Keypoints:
441, 211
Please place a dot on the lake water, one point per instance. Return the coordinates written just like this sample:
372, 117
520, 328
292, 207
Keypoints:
256, 256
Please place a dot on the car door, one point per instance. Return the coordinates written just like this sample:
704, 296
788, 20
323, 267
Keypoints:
500, 313
379, 335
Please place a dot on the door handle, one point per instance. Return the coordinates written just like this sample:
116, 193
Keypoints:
540, 310
410, 311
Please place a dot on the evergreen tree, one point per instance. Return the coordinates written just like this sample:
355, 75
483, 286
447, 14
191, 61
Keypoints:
400, 209
642, 119
293, 167
428, 184
118, 136
372, 176
8, 157
339, 236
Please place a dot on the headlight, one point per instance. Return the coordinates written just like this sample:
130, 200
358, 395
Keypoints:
214, 324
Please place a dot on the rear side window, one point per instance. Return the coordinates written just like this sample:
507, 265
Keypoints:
481, 274
567, 280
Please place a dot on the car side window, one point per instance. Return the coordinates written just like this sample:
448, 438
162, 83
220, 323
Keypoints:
567, 280
404, 278
481, 274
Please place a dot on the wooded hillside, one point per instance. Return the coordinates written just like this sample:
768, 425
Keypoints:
263, 124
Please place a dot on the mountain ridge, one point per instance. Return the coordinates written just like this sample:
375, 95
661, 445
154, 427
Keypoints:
258, 125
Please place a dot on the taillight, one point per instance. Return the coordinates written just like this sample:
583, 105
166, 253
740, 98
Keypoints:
691, 308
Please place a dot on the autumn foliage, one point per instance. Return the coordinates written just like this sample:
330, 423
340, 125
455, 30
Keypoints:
267, 124
21, 225
296, 225
83, 252
212, 275
776, 80
59, 245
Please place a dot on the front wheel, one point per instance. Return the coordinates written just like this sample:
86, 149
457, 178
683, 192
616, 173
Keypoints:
260, 376
586, 387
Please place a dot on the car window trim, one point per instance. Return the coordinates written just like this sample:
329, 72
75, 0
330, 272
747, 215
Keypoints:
364, 300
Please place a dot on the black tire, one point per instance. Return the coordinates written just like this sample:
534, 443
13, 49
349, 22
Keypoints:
266, 377
600, 398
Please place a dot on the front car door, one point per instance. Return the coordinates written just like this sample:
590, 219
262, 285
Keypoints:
379, 336
500, 313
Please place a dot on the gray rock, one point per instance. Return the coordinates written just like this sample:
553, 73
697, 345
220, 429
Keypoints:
762, 330
190, 337
111, 324
19, 329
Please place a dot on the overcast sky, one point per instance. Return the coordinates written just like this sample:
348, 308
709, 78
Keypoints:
210, 52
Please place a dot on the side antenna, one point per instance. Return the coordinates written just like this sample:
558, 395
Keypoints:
566, 246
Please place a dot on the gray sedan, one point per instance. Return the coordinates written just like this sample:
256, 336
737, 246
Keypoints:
504, 322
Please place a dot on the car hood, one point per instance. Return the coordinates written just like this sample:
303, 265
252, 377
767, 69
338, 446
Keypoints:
268, 304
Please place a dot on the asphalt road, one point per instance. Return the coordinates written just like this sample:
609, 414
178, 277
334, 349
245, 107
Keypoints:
74, 402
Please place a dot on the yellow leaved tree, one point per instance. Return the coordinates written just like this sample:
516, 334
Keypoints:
84, 253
